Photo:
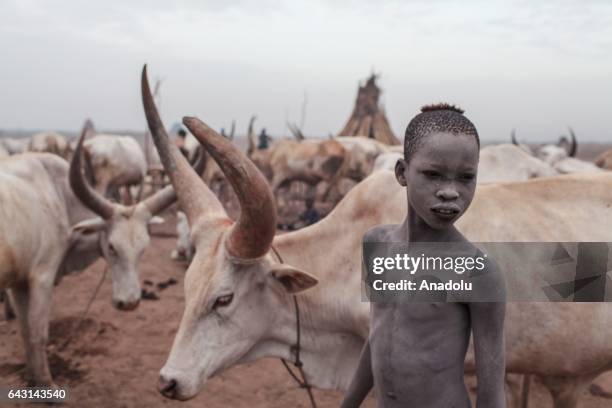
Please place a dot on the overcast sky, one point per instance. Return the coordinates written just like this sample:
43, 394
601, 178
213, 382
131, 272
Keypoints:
537, 67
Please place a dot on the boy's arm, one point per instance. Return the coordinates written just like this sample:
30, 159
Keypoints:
362, 381
488, 328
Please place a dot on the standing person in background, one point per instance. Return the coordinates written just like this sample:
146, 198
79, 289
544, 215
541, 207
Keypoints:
264, 140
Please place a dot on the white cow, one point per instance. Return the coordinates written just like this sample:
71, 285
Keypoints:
14, 146
506, 162
52, 223
498, 163
50, 142
239, 287
560, 156
184, 247
115, 162
3, 152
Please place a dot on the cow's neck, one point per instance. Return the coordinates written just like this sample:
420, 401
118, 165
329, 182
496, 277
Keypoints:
80, 255
333, 319
329, 353
85, 252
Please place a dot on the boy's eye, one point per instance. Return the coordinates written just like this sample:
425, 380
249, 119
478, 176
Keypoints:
468, 176
431, 174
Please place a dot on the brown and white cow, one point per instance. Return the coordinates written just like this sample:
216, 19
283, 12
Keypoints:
52, 223
604, 160
238, 293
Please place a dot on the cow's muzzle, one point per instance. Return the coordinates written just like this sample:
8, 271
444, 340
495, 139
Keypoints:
126, 305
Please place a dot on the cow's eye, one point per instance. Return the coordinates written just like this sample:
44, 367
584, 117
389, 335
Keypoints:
223, 301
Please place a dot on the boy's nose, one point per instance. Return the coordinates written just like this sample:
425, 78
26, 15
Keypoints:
447, 194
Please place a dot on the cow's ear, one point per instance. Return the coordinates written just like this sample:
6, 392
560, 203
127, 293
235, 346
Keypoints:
89, 226
292, 280
155, 220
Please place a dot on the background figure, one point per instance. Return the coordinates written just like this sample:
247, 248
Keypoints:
264, 140
180, 142
311, 215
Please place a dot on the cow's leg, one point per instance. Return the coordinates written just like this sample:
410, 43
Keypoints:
525, 390
141, 187
566, 390
9, 312
33, 306
513, 390
127, 195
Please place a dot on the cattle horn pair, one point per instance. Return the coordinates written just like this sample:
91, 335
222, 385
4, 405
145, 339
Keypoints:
99, 204
571, 151
251, 236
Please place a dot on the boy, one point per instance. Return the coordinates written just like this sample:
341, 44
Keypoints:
415, 353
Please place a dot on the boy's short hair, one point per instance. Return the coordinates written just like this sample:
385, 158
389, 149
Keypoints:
440, 117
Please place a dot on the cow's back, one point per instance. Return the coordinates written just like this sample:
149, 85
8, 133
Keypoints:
33, 212
118, 159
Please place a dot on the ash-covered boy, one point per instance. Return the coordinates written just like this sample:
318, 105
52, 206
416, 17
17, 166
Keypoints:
415, 353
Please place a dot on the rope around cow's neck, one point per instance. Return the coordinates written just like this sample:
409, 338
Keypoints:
93, 297
82, 318
303, 383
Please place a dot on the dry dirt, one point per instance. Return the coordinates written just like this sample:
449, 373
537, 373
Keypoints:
115, 357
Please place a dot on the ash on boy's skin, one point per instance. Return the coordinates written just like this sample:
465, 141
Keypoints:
415, 353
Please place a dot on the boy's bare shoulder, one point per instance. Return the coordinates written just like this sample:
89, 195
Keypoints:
380, 233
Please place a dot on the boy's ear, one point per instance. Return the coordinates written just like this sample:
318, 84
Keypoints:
400, 172
292, 279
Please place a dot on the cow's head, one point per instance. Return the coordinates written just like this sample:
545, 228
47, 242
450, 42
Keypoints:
551, 153
120, 231
234, 285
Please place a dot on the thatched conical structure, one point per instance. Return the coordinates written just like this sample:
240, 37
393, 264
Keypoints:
368, 118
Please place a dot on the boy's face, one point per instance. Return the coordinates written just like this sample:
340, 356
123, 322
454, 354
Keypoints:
440, 177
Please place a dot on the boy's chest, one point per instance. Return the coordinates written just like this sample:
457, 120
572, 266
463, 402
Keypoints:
418, 324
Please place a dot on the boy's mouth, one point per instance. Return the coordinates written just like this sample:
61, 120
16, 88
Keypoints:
446, 210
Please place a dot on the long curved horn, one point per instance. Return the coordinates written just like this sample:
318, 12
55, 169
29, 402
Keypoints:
194, 197
254, 231
574, 145
513, 137
88, 196
251, 136
90, 174
165, 197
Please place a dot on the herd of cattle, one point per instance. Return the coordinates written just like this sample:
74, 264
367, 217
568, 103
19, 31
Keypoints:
240, 282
